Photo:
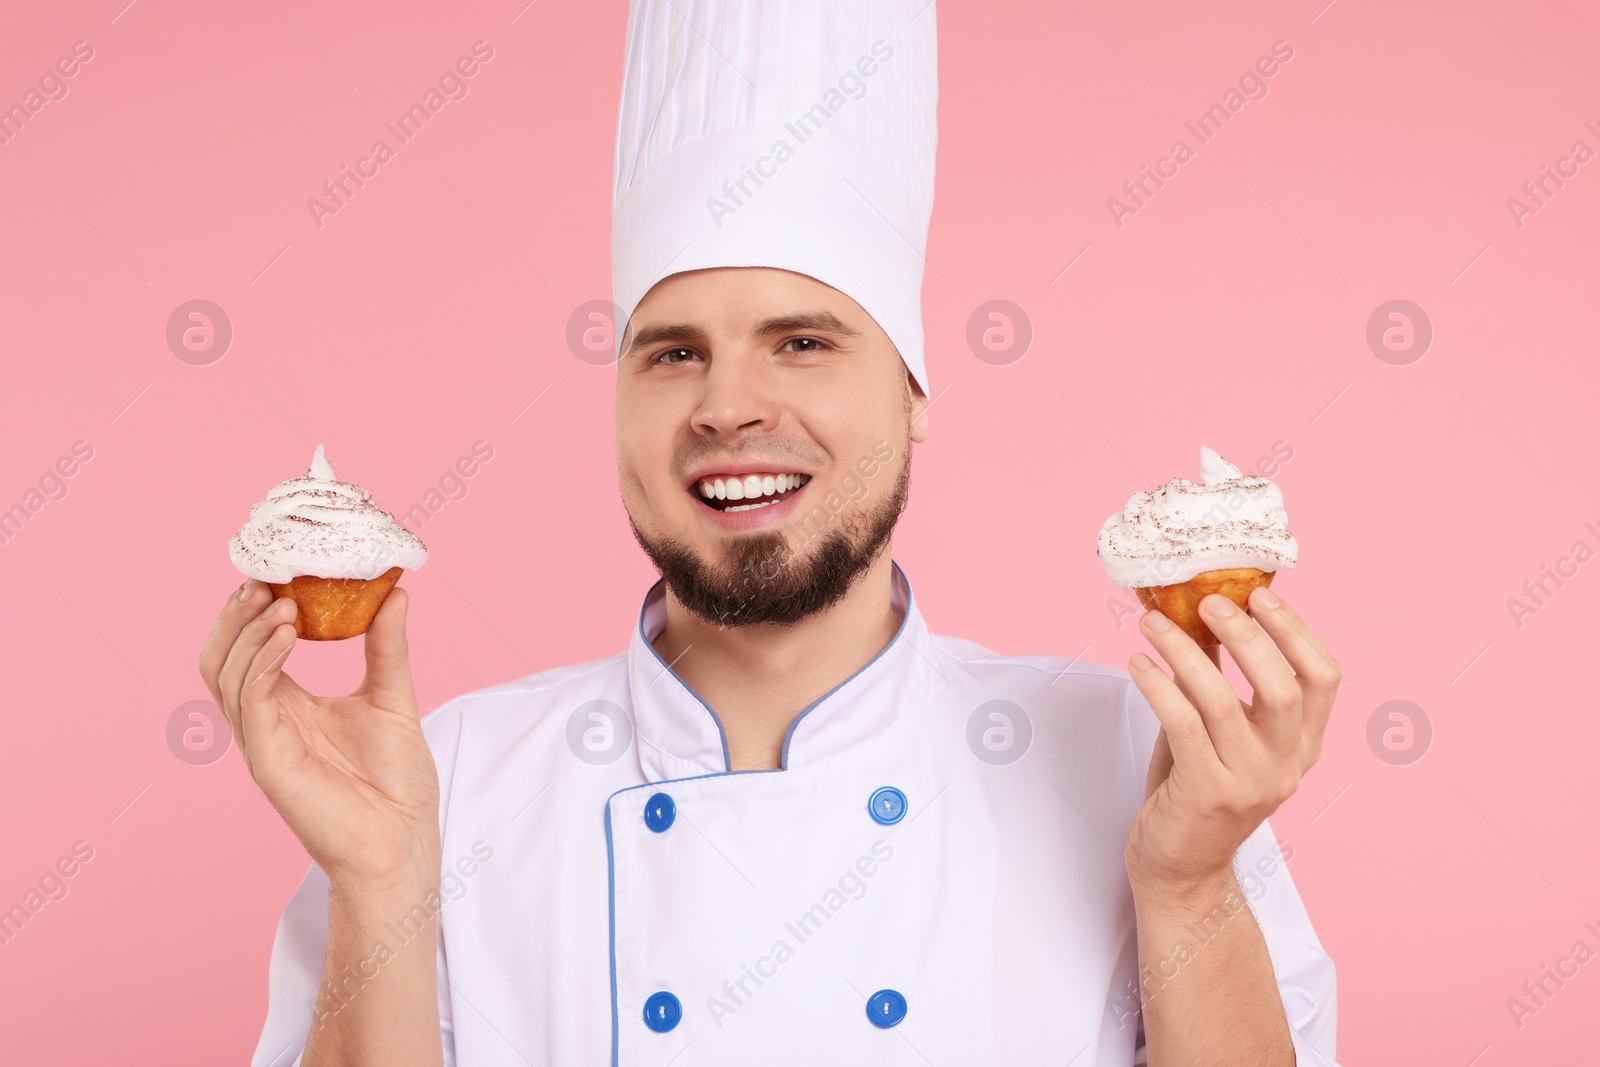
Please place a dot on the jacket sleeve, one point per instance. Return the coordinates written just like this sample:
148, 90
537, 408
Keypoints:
1304, 971
295, 969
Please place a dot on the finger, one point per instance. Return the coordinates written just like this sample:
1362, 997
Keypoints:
1149, 625
388, 681
1214, 654
258, 713
1276, 691
254, 634
244, 604
1188, 741
1319, 673
1160, 762
1203, 684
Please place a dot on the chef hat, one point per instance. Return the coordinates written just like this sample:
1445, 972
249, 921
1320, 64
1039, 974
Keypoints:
796, 134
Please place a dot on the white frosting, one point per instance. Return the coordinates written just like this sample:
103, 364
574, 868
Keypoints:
1183, 528
320, 526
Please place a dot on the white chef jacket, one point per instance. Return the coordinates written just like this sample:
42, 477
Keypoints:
947, 829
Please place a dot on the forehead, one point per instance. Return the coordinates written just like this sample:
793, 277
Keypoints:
738, 295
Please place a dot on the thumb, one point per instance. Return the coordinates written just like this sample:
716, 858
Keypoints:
388, 681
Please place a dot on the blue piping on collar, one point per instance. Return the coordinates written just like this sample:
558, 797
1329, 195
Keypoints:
611, 859
727, 760
783, 759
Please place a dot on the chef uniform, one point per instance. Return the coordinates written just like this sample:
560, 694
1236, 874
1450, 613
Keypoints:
935, 875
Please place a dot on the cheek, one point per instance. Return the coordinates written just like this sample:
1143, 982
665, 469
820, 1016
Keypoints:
853, 429
646, 442
844, 402
637, 480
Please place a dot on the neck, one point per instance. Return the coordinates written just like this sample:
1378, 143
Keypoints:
759, 678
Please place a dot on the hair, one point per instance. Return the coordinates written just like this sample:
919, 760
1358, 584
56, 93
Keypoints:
764, 580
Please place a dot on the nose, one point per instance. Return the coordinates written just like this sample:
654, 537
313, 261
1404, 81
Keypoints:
738, 398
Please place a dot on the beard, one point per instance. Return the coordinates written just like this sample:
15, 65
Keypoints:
763, 580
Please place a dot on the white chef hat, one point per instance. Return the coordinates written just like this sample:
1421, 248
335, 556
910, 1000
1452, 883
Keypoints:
796, 134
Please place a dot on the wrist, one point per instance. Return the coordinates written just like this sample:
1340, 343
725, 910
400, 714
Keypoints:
1186, 892
374, 908
412, 878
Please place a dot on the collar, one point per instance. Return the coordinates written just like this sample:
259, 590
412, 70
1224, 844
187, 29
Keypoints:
681, 736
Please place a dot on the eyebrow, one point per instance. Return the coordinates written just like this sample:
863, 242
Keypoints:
800, 322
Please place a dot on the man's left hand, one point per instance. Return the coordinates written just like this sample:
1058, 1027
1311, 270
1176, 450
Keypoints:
1221, 765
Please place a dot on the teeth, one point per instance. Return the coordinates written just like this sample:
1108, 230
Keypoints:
749, 487
750, 507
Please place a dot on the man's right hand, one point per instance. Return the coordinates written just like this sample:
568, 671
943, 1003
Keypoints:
352, 776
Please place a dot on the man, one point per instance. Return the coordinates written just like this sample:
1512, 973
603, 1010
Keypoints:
788, 824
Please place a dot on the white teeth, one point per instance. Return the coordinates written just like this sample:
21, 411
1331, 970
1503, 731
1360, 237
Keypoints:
749, 487
749, 507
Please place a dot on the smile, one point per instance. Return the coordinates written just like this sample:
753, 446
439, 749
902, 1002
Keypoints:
748, 492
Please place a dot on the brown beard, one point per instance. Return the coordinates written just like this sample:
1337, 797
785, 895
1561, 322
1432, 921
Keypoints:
763, 580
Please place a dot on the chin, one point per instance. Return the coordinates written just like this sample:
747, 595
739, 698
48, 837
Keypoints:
755, 576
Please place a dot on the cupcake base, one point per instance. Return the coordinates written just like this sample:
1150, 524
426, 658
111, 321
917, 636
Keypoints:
332, 609
1181, 602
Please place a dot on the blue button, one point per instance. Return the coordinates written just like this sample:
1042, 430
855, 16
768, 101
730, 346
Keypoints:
662, 1011
659, 811
885, 1008
888, 805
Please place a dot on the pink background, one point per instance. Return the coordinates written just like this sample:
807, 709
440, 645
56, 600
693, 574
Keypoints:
1230, 310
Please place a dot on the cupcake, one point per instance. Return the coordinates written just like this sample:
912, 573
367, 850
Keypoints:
327, 546
1226, 533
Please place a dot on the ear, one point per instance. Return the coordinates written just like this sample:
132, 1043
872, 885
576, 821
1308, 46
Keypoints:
919, 409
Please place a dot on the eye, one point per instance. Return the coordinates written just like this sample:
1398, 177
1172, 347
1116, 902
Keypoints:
674, 355
804, 344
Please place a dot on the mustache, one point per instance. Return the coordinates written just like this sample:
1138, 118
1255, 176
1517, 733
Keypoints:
759, 449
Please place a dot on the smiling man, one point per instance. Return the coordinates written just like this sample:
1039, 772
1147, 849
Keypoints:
786, 419
789, 824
